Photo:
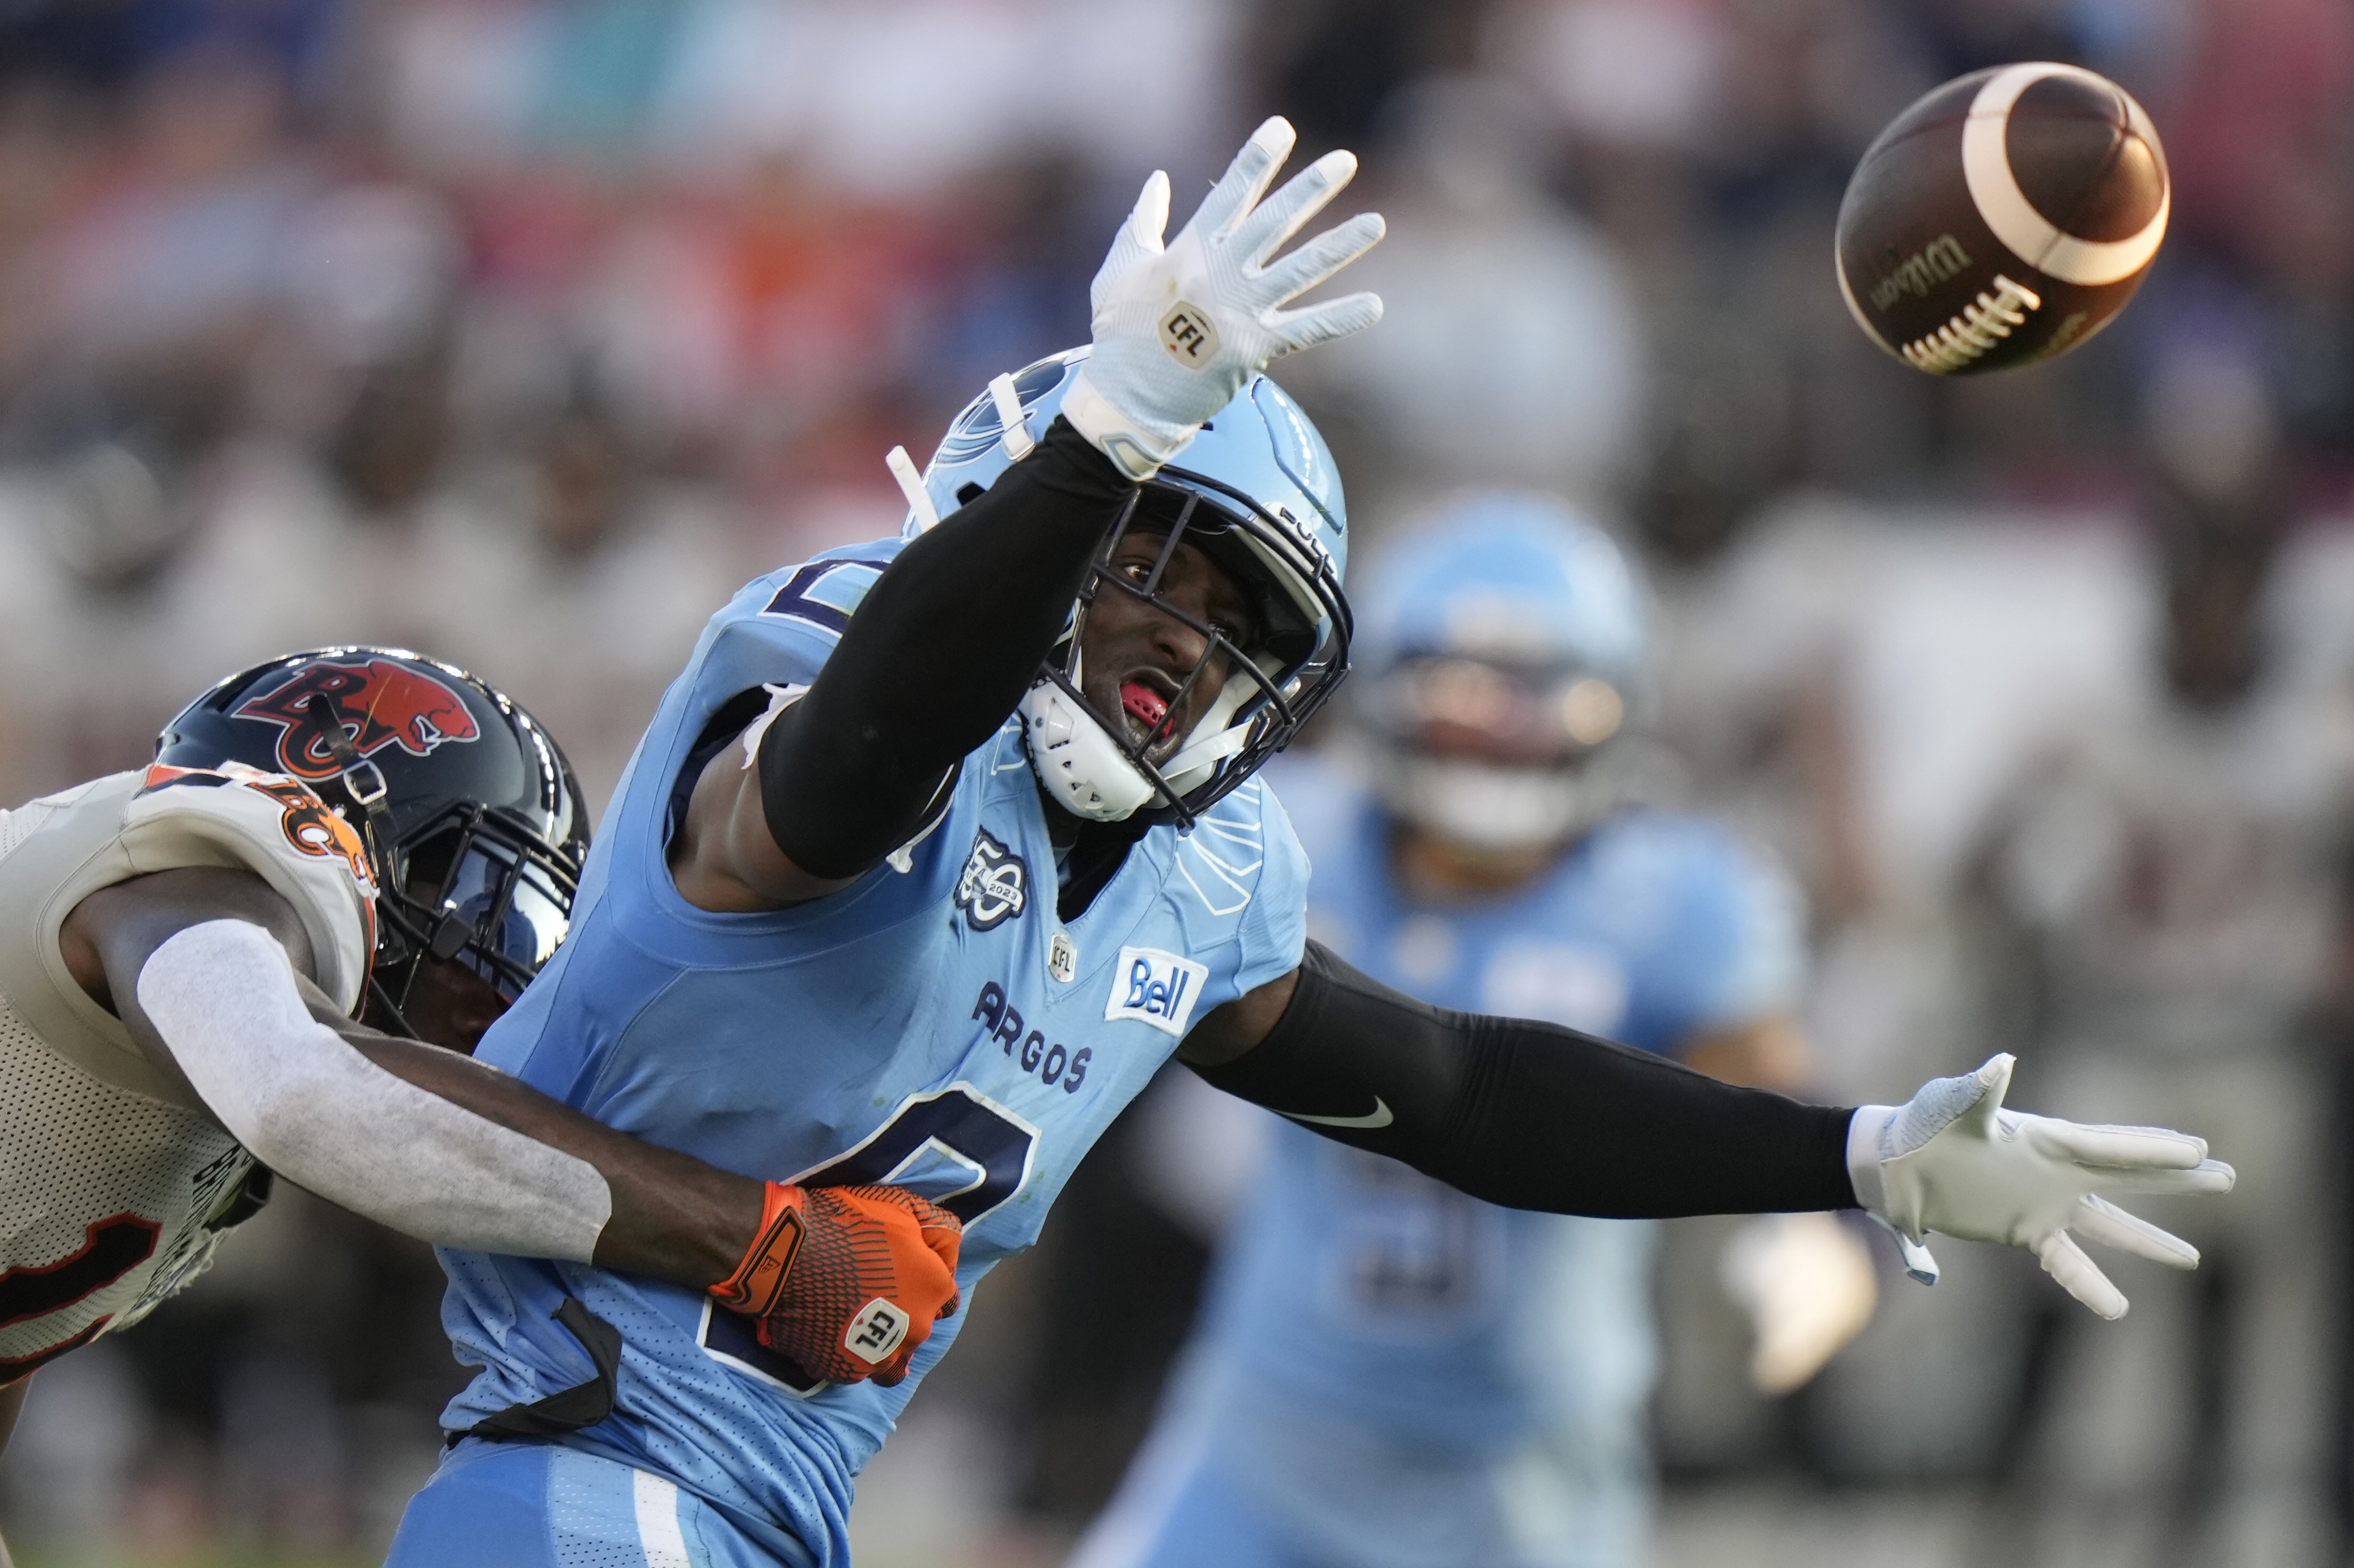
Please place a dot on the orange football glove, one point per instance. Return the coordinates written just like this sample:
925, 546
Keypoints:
847, 1281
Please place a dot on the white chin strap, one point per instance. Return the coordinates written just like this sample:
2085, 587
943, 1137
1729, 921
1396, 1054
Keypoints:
1212, 739
1088, 774
1485, 807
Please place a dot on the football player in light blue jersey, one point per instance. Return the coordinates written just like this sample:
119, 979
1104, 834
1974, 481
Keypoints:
1390, 1374
942, 847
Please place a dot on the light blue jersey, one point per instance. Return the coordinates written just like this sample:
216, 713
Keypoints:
1396, 1299
934, 1025
1390, 1372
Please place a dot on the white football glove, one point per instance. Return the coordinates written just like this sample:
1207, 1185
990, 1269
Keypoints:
1179, 330
1952, 1159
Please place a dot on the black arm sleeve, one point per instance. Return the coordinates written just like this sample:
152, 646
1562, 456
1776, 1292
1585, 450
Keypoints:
1531, 1115
939, 653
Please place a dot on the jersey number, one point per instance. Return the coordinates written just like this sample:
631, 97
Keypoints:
825, 594
110, 1248
1414, 1252
948, 1133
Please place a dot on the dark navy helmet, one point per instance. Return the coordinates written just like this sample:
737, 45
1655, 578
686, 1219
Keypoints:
472, 815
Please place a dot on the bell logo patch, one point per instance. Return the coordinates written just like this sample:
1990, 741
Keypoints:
1156, 988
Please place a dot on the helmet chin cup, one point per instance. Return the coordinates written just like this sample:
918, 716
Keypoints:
1483, 807
1086, 769
1081, 766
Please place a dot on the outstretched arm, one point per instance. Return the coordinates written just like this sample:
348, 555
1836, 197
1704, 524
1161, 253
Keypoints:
201, 966
1535, 1116
1527, 1114
949, 638
940, 650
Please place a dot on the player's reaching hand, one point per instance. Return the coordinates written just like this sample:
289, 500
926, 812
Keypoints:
1533, 1115
856, 758
1952, 1160
1180, 328
847, 1281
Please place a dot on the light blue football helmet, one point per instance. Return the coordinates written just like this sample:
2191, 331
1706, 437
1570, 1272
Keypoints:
1503, 643
1258, 492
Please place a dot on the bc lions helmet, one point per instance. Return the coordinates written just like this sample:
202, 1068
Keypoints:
1259, 496
1504, 641
471, 814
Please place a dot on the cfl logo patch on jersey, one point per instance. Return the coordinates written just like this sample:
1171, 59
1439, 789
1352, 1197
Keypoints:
994, 886
1156, 988
875, 1332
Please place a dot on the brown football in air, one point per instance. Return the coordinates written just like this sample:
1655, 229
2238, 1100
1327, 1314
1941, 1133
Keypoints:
2003, 218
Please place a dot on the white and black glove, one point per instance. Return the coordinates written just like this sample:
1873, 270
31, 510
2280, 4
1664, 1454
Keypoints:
1952, 1159
1180, 329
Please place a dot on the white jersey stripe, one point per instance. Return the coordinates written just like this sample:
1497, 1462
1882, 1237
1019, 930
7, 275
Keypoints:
658, 1529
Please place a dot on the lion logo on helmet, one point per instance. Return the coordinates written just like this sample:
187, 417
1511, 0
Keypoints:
381, 703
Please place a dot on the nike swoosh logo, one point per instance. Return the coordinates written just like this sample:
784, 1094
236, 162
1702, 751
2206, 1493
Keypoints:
1380, 1118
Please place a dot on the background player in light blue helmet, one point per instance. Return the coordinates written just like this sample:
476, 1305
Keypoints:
942, 847
1390, 1374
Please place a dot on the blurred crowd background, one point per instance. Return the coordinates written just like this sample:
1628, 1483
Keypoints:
522, 332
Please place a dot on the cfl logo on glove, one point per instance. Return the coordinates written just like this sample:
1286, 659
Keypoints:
1187, 334
875, 1332
1156, 988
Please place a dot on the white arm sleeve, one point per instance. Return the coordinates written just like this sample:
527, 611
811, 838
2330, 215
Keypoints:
310, 1108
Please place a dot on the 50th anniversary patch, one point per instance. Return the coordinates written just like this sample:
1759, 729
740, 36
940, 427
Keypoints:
995, 884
